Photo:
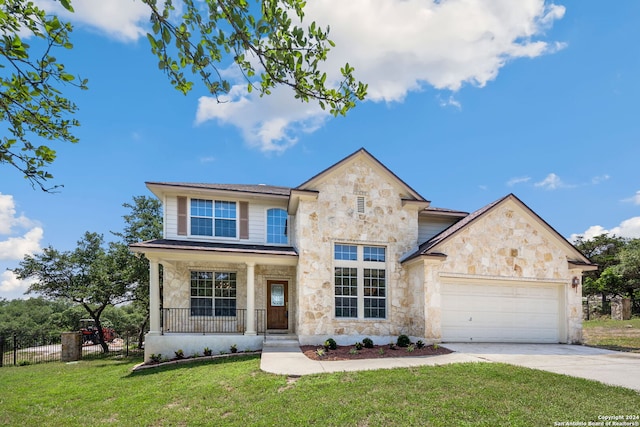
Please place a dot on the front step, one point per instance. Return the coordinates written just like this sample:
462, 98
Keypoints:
281, 340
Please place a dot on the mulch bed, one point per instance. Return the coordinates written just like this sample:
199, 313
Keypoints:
377, 352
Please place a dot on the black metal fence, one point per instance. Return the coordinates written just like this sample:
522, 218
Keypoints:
189, 320
20, 350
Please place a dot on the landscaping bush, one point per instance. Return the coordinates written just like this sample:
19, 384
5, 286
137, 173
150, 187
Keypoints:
368, 343
330, 344
358, 345
403, 341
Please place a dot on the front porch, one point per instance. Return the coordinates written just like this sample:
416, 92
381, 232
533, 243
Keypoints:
188, 321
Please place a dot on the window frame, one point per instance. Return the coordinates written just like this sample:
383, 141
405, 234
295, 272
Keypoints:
267, 234
370, 290
214, 218
214, 310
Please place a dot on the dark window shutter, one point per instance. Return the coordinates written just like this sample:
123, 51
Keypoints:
182, 216
244, 220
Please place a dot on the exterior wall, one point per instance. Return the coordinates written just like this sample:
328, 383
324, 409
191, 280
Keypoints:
504, 244
257, 220
430, 226
333, 218
190, 344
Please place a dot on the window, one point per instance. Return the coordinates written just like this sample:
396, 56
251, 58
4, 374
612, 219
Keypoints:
277, 226
213, 293
360, 283
213, 218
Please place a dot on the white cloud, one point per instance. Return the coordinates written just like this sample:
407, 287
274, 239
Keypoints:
552, 182
123, 20
397, 47
635, 199
600, 178
628, 228
269, 123
9, 283
16, 247
518, 180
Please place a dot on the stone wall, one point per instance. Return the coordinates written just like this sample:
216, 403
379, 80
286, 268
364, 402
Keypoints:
177, 288
334, 218
505, 244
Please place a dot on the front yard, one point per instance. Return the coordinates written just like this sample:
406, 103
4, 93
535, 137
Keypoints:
236, 392
620, 335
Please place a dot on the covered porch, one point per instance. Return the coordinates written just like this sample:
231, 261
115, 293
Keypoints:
217, 295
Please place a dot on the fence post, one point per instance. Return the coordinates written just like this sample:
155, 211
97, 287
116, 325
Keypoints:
127, 352
1, 350
15, 349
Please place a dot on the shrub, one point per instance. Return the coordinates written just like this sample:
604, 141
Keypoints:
420, 344
207, 351
358, 345
410, 348
320, 352
330, 344
233, 348
392, 346
403, 341
179, 354
368, 343
353, 351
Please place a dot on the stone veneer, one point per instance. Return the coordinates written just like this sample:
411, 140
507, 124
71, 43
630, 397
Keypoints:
333, 218
505, 244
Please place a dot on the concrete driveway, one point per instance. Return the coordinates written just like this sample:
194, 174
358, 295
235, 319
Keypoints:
609, 367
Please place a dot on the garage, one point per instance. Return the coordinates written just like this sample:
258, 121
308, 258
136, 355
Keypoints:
509, 312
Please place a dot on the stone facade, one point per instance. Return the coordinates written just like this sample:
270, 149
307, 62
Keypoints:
361, 203
505, 245
334, 218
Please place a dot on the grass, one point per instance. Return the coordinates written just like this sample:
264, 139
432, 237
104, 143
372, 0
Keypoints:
235, 392
620, 335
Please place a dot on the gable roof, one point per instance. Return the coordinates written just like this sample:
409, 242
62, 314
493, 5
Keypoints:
430, 246
361, 154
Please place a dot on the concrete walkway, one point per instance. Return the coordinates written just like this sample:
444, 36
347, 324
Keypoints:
610, 367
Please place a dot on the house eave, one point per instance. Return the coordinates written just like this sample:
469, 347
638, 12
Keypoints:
297, 195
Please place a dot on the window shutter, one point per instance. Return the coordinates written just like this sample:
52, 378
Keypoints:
182, 216
244, 220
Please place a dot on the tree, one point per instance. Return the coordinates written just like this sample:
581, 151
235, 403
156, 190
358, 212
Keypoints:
269, 45
90, 276
143, 222
32, 107
629, 271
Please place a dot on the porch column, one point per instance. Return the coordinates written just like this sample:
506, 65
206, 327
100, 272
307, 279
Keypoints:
154, 298
251, 300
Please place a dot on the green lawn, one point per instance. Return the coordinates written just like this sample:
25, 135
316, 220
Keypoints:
621, 335
236, 392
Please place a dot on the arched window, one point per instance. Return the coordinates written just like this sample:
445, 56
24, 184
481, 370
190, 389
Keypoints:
277, 226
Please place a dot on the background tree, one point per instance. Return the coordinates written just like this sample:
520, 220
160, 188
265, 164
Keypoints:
264, 39
629, 271
91, 276
143, 222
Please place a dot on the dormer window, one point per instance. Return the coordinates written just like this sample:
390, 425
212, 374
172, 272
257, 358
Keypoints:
213, 218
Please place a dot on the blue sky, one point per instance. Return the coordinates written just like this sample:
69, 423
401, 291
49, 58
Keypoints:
469, 100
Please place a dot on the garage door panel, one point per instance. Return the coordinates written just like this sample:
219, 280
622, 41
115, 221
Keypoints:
500, 313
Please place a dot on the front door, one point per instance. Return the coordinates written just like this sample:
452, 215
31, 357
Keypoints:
277, 305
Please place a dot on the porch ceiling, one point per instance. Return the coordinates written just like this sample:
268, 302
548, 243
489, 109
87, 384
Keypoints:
185, 250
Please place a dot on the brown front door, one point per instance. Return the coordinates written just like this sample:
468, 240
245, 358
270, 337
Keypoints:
277, 305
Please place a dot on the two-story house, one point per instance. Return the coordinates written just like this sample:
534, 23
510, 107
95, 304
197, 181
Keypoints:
353, 252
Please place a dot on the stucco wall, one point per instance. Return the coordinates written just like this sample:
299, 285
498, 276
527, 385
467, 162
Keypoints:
333, 218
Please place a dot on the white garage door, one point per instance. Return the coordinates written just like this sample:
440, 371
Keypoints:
521, 312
